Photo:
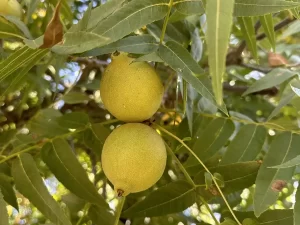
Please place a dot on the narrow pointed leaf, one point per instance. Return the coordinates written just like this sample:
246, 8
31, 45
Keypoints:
3, 211
7, 190
275, 77
122, 22
214, 137
291, 163
30, 184
246, 145
219, 20
261, 7
268, 182
135, 44
64, 165
74, 120
268, 25
181, 60
171, 198
247, 27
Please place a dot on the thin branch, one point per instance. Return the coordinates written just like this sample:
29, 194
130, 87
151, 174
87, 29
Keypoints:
119, 210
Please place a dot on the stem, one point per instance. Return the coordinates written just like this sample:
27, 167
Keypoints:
166, 22
119, 210
209, 210
187, 176
18, 153
206, 169
85, 210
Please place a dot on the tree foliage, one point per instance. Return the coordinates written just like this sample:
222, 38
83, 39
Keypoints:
229, 116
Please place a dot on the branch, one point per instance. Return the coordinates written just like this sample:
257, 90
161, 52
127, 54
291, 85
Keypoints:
239, 89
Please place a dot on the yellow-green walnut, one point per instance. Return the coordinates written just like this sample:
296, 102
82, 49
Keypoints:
131, 91
10, 8
133, 158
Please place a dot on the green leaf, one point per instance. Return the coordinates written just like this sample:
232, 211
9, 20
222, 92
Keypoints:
297, 207
181, 61
275, 77
7, 136
247, 27
151, 57
219, 20
127, 19
171, 198
213, 138
62, 162
249, 221
188, 8
7, 190
82, 25
9, 30
291, 163
261, 7
3, 211
143, 44
276, 217
236, 176
45, 123
74, 120
284, 147
293, 28
283, 102
75, 98
20, 25
268, 25
246, 145
95, 137
228, 222
30, 184
103, 11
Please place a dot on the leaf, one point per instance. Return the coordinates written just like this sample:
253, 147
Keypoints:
30, 184
151, 57
7, 136
8, 29
127, 19
291, 163
293, 28
82, 25
142, 44
283, 102
7, 190
181, 61
275, 77
247, 27
246, 145
45, 123
95, 137
249, 221
236, 176
171, 198
75, 98
219, 20
261, 7
213, 138
103, 11
54, 31
74, 120
283, 148
20, 25
3, 211
188, 8
62, 162
297, 207
268, 26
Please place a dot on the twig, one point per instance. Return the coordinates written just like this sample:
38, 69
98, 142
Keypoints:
85, 210
119, 210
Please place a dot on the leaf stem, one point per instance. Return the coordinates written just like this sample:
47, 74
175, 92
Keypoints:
119, 210
210, 211
206, 169
187, 176
162, 36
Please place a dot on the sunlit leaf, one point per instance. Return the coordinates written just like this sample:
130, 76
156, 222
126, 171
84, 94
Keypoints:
268, 25
30, 184
261, 7
269, 182
171, 198
64, 165
246, 145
